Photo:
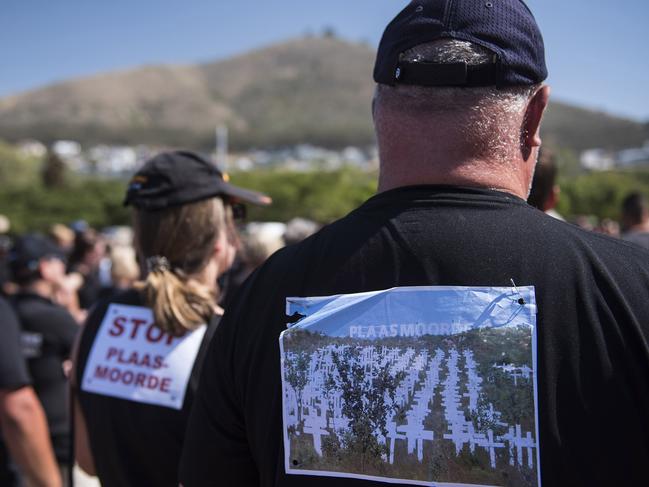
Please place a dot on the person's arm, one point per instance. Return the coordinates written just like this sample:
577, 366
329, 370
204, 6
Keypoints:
82, 451
24, 428
22, 418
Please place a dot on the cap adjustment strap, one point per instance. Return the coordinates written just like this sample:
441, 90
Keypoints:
452, 74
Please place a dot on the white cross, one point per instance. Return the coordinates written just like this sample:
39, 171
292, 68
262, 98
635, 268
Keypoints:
314, 425
393, 435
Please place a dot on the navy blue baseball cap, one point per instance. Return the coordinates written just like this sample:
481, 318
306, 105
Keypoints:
176, 178
506, 28
27, 252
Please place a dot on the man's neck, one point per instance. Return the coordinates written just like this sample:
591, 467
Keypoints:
470, 175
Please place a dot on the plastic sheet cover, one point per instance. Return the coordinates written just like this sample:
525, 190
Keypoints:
420, 385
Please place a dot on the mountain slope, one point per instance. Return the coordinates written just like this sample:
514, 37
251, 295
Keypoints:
315, 90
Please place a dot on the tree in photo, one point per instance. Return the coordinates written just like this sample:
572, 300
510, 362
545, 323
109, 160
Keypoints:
368, 401
53, 171
297, 375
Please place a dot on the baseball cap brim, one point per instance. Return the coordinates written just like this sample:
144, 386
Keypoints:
245, 195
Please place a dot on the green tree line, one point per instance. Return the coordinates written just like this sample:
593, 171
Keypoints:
34, 195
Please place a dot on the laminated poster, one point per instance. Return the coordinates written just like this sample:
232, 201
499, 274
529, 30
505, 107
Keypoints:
422, 385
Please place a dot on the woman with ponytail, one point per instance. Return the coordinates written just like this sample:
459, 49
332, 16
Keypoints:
140, 355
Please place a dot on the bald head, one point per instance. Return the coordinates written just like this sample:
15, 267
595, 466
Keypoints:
454, 135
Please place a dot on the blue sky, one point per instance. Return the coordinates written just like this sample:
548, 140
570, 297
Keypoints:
597, 50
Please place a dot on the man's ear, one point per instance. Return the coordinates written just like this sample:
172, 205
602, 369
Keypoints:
531, 136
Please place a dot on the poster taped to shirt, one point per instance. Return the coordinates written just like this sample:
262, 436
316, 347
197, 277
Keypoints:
133, 359
427, 386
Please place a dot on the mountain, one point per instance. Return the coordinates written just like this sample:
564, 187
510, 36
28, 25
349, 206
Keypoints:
568, 126
312, 89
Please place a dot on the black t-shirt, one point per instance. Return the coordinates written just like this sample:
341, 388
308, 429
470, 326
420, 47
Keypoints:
592, 294
48, 332
13, 371
90, 291
134, 443
13, 374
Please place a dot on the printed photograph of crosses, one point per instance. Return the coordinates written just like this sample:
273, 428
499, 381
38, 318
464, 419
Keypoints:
448, 408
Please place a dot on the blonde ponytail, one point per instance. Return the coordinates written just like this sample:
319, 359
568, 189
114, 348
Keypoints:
177, 243
178, 304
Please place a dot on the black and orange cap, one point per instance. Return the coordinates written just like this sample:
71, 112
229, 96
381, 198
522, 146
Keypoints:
176, 178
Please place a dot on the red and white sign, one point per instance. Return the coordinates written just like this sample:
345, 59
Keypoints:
133, 359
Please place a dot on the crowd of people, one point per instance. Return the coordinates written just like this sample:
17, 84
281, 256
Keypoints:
151, 356
51, 282
632, 225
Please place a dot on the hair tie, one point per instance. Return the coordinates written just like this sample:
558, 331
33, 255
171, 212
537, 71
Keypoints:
157, 263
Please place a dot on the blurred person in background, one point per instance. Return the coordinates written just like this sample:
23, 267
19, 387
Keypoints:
87, 254
48, 332
66, 292
545, 191
133, 397
124, 270
297, 229
585, 222
608, 226
258, 241
26, 455
62, 236
6, 286
5, 224
635, 219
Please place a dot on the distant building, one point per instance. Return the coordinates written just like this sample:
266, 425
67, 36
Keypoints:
70, 152
31, 148
66, 148
634, 157
113, 159
597, 160
603, 160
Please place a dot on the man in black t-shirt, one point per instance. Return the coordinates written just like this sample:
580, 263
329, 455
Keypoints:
337, 364
48, 331
635, 219
22, 420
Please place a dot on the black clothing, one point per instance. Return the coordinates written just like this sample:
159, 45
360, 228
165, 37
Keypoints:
13, 375
90, 291
47, 336
134, 444
592, 294
638, 238
13, 371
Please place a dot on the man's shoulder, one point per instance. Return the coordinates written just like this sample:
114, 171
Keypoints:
606, 247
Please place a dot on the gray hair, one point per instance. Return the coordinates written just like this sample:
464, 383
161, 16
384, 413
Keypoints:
485, 115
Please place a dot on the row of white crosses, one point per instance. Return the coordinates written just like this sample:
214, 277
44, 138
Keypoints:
322, 406
414, 430
316, 400
462, 431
